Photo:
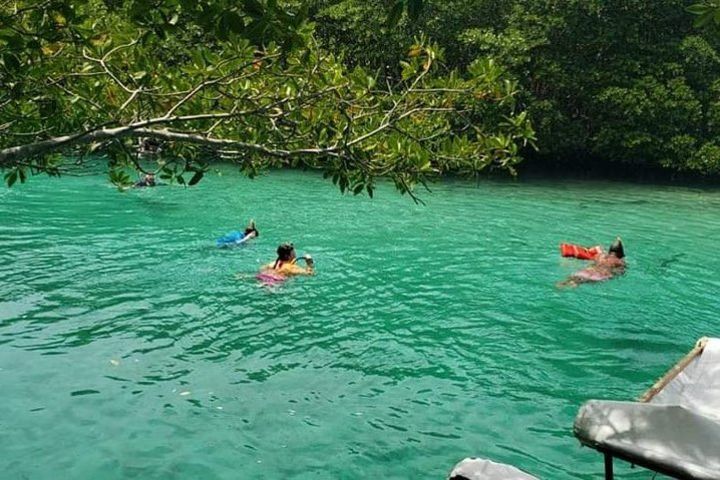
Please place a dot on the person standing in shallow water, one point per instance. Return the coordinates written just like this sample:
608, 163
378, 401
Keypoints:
605, 266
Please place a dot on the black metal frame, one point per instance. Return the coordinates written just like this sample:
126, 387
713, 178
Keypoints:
667, 470
609, 474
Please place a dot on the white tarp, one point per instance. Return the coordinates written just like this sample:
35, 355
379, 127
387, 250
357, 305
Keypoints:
678, 432
480, 469
697, 387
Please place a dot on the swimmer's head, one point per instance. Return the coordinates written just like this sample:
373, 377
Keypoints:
251, 228
617, 248
286, 252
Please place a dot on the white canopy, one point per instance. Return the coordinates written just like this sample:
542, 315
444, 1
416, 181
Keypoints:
479, 469
675, 430
697, 386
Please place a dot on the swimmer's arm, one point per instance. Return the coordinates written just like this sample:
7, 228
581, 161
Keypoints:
246, 238
309, 265
298, 270
569, 283
309, 268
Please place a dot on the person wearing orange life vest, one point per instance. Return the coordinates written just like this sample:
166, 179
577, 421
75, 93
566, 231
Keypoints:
605, 266
286, 263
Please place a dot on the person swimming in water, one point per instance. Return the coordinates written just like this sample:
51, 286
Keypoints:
238, 237
251, 231
605, 266
147, 181
286, 265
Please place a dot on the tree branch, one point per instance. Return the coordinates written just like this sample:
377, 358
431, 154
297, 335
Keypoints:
102, 62
54, 144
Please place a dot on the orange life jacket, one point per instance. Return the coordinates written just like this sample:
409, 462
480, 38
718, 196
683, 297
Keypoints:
576, 251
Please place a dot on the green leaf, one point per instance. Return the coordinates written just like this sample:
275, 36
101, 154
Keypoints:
14, 41
11, 178
253, 8
408, 70
703, 19
395, 13
11, 61
414, 8
255, 31
140, 9
233, 22
698, 9
301, 15
196, 178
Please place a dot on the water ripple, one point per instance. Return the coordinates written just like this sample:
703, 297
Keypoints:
428, 334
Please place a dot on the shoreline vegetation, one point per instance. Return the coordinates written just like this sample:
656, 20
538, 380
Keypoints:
531, 170
412, 90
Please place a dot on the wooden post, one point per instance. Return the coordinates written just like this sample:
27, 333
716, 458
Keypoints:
608, 466
674, 371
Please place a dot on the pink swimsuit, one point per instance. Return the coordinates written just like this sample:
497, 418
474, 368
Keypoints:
592, 275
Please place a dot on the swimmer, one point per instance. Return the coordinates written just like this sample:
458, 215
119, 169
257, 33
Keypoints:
147, 181
237, 237
251, 231
604, 267
286, 264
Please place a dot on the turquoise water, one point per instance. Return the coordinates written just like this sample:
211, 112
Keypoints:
130, 347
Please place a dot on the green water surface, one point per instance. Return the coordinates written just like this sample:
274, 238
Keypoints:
131, 347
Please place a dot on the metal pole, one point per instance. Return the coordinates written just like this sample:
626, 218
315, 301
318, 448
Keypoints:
608, 467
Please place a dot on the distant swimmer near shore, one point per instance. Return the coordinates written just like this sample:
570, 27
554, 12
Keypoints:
605, 266
148, 180
237, 237
285, 266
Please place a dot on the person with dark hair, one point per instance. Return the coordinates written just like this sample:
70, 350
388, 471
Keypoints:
148, 180
617, 249
251, 231
237, 237
605, 266
285, 265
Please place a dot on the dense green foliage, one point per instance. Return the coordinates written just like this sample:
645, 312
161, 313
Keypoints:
359, 88
239, 81
604, 82
707, 12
